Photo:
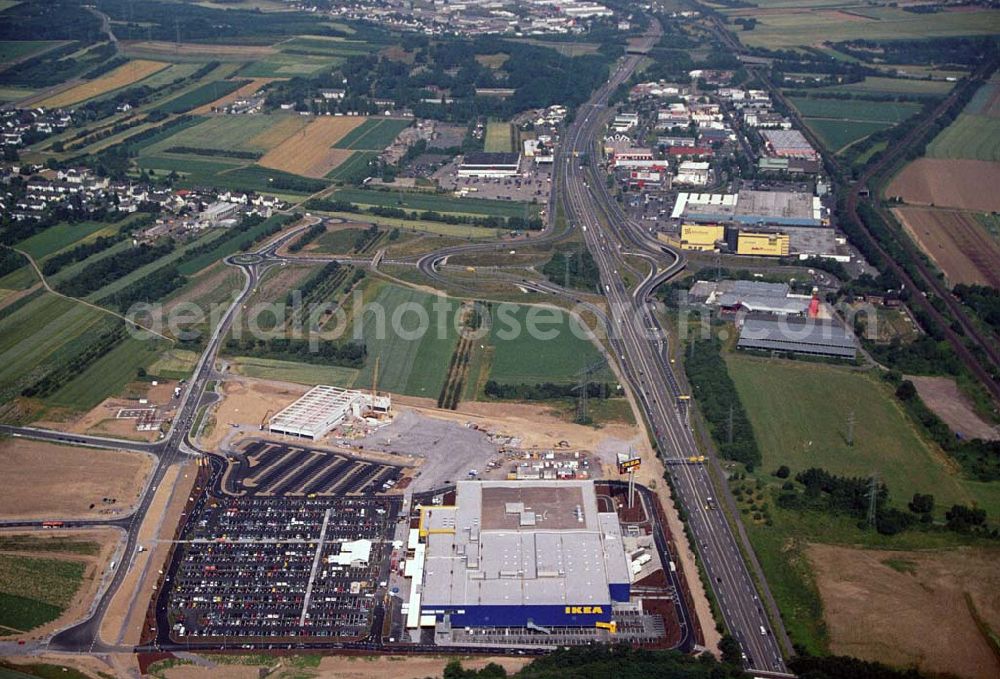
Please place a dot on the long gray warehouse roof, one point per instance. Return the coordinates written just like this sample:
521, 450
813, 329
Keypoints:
798, 335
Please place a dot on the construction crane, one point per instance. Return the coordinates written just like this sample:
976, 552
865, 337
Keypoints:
263, 420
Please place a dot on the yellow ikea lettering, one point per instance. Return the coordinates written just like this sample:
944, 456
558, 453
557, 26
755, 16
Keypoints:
584, 610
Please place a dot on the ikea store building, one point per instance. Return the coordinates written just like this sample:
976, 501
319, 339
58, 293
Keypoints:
511, 553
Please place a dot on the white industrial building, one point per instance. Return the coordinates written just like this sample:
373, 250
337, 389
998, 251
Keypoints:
490, 165
324, 407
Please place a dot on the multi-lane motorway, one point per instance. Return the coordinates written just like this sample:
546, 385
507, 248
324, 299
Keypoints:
639, 344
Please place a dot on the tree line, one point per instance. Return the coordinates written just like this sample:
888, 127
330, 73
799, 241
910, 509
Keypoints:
720, 403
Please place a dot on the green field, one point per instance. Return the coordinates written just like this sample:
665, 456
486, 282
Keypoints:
327, 47
799, 29
799, 413
290, 65
230, 174
970, 136
836, 134
525, 356
372, 135
339, 241
39, 336
858, 110
205, 94
975, 134
499, 138
34, 591
900, 86
290, 371
226, 133
19, 49
108, 375
412, 362
14, 93
409, 200
60, 236
354, 169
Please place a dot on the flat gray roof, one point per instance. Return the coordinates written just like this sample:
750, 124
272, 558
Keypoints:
553, 546
798, 335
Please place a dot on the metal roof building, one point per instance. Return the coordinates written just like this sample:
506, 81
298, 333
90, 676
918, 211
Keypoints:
798, 336
752, 208
489, 165
321, 409
510, 553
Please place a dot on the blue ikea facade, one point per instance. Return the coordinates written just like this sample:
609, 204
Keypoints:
546, 615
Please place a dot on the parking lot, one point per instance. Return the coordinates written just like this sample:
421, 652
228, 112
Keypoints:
273, 469
296, 547
533, 187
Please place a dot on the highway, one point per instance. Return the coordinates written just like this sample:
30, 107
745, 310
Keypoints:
640, 345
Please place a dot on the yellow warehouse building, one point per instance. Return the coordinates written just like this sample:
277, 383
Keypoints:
701, 237
763, 244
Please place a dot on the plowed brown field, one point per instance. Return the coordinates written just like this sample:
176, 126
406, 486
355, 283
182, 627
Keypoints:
244, 91
310, 151
956, 242
129, 73
965, 184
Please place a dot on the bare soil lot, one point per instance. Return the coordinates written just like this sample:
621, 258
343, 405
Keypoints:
941, 394
911, 608
956, 241
353, 667
247, 402
43, 480
965, 184
310, 151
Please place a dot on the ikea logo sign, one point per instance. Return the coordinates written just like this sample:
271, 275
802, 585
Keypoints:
584, 610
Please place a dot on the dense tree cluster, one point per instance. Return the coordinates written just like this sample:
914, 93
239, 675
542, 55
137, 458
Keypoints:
576, 268
307, 236
325, 352
10, 261
79, 253
150, 288
985, 301
545, 391
720, 404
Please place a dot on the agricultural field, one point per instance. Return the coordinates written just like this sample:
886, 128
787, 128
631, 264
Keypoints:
12, 50
290, 371
35, 590
193, 52
251, 87
40, 336
282, 65
374, 135
108, 375
202, 95
555, 351
863, 592
956, 241
230, 133
792, 27
898, 86
975, 134
963, 184
61, 236
838, 134
124, 75
15, 93
326, 46
354, 169
499, 138
890, 112
436, 203
312, 152
413, 363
